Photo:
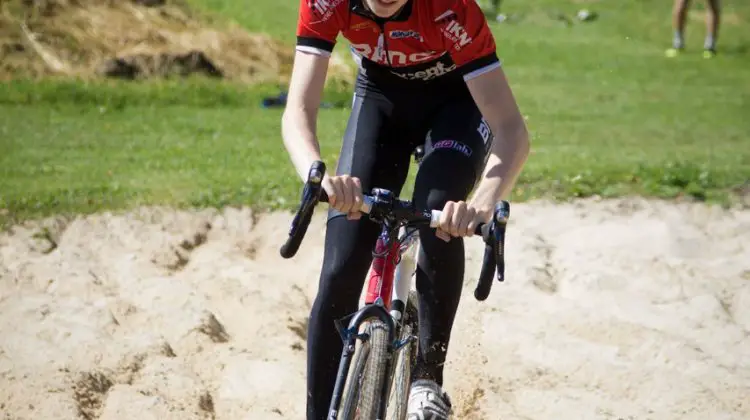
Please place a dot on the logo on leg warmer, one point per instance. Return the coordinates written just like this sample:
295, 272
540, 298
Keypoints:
453, 145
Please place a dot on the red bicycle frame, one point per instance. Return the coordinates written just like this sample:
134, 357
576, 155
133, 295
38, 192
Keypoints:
382, 270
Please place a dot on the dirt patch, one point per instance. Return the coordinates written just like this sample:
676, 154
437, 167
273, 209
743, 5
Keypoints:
135, 39
610, 310
89, 391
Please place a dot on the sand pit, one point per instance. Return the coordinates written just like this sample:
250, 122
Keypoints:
627, 309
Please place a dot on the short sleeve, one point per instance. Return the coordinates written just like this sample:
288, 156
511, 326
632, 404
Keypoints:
469, 40
317, 26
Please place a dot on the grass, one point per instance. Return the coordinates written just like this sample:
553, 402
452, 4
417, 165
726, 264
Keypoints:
609, 115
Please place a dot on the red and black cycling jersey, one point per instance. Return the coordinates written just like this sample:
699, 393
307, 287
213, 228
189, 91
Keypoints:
425, 40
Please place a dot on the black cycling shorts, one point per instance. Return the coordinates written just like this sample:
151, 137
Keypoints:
386, 125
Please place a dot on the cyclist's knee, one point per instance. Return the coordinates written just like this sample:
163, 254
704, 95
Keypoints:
442, 178
437, 197
434, 197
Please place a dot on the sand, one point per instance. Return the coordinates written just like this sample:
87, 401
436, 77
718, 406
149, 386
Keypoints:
624, 309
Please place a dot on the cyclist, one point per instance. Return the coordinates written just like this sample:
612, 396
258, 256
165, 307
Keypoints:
428, 73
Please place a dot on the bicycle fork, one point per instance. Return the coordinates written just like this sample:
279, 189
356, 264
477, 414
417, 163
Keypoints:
350, 336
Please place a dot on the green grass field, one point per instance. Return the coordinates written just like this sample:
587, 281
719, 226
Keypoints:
609, 115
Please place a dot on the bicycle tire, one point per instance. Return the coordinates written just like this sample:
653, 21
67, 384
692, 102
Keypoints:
406, 359
364, 385
350, 396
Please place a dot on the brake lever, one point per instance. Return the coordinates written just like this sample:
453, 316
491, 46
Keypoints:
310, 195
499, 223
313, 186
493, 234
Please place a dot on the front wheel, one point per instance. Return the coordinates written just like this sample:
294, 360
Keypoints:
363, 391
406, 359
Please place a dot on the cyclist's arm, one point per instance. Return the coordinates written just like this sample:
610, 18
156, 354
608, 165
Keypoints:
510, 147
473, 49
299, 122
318, 25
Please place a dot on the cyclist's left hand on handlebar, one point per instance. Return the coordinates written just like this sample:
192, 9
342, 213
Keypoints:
460, 219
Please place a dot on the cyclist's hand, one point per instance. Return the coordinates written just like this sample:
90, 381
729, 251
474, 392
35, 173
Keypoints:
344, 194
459, 219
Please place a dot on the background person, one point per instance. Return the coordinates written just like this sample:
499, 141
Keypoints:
679, 18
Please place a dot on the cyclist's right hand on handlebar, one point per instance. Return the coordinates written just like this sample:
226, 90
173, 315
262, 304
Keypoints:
344, 194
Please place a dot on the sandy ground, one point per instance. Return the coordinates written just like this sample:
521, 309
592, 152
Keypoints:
626, 309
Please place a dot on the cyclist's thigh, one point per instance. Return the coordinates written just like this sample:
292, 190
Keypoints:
375, 149
456, 149
370, 151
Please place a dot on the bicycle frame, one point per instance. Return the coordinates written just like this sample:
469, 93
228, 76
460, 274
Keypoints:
390, 275
388, 286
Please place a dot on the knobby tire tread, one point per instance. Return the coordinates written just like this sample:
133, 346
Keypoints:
348, 408
406, 359
364, 384
375, 371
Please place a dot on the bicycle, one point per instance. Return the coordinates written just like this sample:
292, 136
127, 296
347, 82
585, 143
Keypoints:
387, 324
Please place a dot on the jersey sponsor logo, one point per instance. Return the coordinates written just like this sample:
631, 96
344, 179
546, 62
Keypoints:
323, 8
453, 145
362, 25
394, 57
484, 131
406, 34
457, 34
445, 15
430, 73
